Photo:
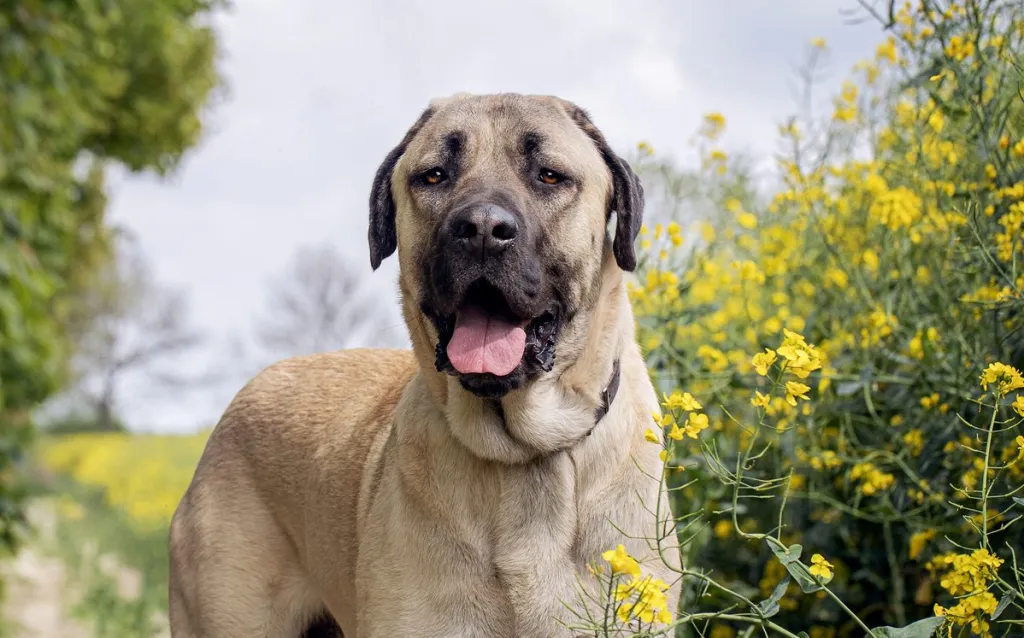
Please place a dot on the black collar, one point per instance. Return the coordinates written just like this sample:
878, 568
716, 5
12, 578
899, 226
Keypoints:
608, 394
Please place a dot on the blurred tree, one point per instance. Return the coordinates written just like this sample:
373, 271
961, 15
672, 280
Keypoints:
317, 306
81, 84
124, 325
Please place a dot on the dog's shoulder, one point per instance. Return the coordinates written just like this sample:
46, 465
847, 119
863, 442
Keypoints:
308, 397
317, 386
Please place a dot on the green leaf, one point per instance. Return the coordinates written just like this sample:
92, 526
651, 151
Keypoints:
1004, 602
770, 606
787, 554
920, 629
807, 583
1018, 500
790, 557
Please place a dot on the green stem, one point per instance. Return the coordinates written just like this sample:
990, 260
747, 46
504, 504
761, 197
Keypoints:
984, 474
752, 620
897, 576
849, 612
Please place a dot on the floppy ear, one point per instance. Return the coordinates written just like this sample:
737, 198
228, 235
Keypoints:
627, 191
383, 234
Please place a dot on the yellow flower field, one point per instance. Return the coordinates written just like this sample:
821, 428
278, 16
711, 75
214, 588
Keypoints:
143, 476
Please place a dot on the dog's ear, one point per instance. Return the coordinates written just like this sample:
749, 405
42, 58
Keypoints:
383, 234
627, 191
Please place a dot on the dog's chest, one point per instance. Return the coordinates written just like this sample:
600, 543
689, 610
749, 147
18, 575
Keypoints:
496, 554
536, 538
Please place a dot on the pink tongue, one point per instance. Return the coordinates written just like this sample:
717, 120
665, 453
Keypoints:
485, 344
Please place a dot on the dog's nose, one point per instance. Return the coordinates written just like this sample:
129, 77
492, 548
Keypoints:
484, 230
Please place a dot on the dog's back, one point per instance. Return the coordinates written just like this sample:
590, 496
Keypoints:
262, 485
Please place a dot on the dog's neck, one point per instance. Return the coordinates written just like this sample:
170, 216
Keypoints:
557, 411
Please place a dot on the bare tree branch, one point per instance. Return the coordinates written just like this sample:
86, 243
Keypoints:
127, 325
318, 305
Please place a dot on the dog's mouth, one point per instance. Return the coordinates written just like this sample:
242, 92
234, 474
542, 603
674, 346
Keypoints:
489, 346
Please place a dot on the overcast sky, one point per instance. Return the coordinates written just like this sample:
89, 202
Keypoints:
320, 90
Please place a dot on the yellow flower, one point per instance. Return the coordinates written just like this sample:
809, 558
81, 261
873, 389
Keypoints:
676, 433
897, 208
714, 122
761, 400
930, 401
845, 113
959, 47
1020, 446
820, 567
887, 50
836, 277
1018, 404
664, 420
650, 603
695, 424
796, 390
684, 401
622, 562
763, 361
714, 359
1005, 378
870, 259
872, 480
651, 436
918, 541
747, 220
723, 528
818, 43
826, 460
915, 441
801, 357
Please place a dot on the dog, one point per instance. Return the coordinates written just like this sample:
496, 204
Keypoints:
470, 486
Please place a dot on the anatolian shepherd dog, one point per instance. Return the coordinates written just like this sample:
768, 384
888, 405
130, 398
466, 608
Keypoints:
463, 488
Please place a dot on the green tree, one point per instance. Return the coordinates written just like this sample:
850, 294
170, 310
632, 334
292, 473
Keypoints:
82, 84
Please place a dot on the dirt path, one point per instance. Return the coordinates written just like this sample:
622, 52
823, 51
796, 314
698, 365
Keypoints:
36, 587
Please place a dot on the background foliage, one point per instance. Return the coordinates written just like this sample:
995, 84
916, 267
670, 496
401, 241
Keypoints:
892, 240
82, 85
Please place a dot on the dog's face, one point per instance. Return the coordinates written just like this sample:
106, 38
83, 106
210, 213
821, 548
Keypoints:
499, 208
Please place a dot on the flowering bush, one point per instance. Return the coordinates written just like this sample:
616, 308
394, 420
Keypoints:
839, 350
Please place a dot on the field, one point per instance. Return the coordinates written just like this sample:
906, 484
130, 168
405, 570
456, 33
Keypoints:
107, 501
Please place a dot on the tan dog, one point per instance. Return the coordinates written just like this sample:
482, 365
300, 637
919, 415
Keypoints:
461, 489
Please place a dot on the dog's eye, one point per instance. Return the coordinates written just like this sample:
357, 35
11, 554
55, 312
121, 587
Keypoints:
434, 176
550, 177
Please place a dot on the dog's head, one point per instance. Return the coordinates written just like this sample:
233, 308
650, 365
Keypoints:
499, 207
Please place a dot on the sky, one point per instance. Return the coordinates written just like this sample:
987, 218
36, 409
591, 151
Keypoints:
318, 91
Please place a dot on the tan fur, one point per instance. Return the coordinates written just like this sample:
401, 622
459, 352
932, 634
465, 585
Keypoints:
368, 484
